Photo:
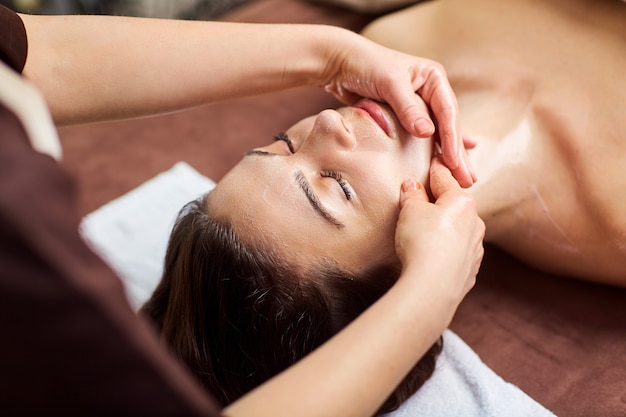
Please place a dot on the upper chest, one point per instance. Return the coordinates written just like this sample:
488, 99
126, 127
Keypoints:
551, 178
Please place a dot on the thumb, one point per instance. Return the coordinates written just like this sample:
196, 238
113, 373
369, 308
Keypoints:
441, 179
411, 189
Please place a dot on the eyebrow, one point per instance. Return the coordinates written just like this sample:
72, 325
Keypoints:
258, 152
314, 200
305, 186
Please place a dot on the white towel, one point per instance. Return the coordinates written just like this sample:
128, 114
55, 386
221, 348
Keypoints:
131, 233
463, 386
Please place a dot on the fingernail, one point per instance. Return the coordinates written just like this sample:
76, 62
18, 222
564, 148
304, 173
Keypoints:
411, 184
424, 127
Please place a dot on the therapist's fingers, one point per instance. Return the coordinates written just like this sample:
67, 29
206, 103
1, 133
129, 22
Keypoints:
412, 189
464, 173
442, 181
446, 235
417, 219
412, 111
433, 86
437, 93
461, 208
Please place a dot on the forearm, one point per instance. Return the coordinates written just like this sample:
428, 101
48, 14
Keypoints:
101, 67
355, 372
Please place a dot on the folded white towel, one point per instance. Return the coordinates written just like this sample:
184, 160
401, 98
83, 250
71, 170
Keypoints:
131, 233
463, 386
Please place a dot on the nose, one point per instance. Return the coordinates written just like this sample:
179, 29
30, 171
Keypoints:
331, 129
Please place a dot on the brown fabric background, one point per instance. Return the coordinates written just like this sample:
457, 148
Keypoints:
561, 341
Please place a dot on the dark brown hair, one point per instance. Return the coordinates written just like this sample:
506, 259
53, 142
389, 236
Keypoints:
239, 314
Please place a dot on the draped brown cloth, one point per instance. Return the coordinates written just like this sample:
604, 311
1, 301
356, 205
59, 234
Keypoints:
70, 343
13, 42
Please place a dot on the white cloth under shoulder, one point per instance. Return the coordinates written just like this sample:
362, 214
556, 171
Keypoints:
464, 386
25, 101
131, 233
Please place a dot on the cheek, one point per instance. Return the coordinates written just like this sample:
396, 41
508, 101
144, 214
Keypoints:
382, 213
375, 247
417, 155
382, 180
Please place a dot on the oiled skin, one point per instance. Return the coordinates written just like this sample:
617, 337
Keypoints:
541, 85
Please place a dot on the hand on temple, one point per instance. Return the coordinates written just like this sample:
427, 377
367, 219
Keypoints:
440, 247
361, 68
448, 234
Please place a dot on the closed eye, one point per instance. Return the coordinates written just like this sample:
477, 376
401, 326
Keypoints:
342, 183
283, 136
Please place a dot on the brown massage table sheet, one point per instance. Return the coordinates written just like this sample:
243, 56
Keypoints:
561, 341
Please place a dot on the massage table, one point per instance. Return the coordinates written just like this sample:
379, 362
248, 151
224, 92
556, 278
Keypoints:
561, 341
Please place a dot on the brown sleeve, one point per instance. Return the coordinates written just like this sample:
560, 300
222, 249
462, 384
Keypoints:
70, 343
13, 41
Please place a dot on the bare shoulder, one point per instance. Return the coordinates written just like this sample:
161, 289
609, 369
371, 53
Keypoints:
400, 28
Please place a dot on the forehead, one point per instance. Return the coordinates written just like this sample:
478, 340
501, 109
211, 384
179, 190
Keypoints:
267, 209
263, 205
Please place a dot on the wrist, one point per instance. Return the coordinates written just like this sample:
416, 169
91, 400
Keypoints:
329, 51
309, 58
437, 290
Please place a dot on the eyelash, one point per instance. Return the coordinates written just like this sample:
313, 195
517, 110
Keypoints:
327, 174
342, 183
283, 136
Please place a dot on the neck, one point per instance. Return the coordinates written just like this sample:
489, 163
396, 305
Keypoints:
505, 155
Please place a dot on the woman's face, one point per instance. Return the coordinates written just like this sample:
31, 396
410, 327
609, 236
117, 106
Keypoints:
333, 194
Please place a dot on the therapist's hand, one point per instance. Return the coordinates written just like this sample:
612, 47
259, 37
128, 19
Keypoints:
358, 68
444, 238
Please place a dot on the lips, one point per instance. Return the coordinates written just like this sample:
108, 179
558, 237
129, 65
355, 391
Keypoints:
376, 113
